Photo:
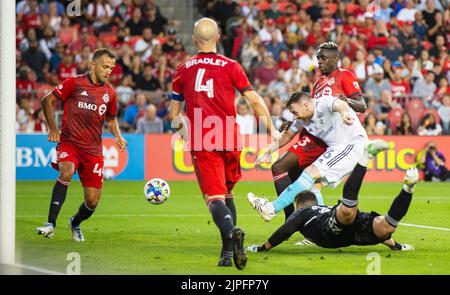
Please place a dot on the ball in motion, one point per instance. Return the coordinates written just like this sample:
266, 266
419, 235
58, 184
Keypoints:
156, 191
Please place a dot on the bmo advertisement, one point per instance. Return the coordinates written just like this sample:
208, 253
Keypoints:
164, 156
34, 155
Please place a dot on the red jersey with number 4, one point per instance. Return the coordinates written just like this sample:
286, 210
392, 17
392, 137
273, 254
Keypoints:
340, 81
207, 83
86, 106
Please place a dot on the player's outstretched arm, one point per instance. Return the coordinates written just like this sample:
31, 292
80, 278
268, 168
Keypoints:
344, 110
260, 108
357, 102
47, 107
113, 126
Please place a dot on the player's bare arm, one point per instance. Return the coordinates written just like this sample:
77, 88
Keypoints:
47, 107
259, 106
344, 110
113, 126
357, 102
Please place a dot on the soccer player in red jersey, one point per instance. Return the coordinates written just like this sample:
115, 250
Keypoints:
207, 84
89, 100
334, 81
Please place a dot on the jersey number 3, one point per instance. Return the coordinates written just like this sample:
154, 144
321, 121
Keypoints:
208, 87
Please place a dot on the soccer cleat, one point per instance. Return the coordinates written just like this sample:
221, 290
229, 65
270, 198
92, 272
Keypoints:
77, 235
305, 242
239, 257
263, 206
376, 146
412, 177
47, 230
407, 247
224, 262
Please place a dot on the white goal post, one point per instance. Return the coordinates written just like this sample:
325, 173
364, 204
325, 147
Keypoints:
7, 131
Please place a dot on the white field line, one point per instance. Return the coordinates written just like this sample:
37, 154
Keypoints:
38, 269
202, 215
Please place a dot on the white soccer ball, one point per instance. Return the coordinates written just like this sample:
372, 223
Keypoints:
156, 191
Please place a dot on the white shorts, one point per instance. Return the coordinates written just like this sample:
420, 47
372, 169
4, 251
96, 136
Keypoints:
339, 161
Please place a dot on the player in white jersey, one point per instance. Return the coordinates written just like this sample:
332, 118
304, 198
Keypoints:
333, 121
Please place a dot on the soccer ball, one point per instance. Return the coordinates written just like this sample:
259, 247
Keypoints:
156, 191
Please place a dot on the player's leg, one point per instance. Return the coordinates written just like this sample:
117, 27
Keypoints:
66, 169
232, 176
282, 170
385, 226
347, 210
91, 176
210, 171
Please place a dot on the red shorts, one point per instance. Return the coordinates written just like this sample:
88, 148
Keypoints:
217, 172
308, 149
90, 168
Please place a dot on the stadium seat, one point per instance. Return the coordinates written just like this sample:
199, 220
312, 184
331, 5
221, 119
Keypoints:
133, 39
394, 117
415, 109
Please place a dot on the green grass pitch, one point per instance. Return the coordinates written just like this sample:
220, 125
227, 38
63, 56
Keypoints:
127, 235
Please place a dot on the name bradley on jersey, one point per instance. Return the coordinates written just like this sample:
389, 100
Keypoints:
206, 61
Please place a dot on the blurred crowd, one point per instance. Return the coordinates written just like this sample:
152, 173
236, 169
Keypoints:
398, 50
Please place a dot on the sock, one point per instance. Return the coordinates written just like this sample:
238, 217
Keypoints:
229, 201
303, 183
282, 181
365, 159
84, 212
398, 208
318, 194
352, 186
58, 197
224, 221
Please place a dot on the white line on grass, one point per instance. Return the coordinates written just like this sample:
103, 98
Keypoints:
425, 226
38, 269
202, 215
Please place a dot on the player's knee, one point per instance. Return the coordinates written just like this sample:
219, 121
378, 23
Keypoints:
346, 215
92, 203
66, 173
278, 168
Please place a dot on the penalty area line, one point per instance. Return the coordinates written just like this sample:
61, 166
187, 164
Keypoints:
425, 226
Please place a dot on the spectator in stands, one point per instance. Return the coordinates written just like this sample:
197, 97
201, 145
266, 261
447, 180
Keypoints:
48, 42
100, 14
150, 123
435, 169
147, 81
56, 57
84, 40
308, 62
276, 110
405, 125
443, 109
407, 13
131, 112
156, 21
250, 52
67, 34
374, 126
125, 91
429, 127
393, 51
66, 69
24, 84
268, 72
36, 60
443, 87
275, 46
412, 47
123, 12
279, 87
245, 120
376, 84
136, 24
425, 87
399, 87
144, 46
293, 75
385, 105
265, 34
283, 61
384, 12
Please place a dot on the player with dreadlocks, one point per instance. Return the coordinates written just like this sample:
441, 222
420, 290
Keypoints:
336, 82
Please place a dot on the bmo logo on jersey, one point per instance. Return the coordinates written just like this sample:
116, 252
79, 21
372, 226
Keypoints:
115, 161
92, 107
